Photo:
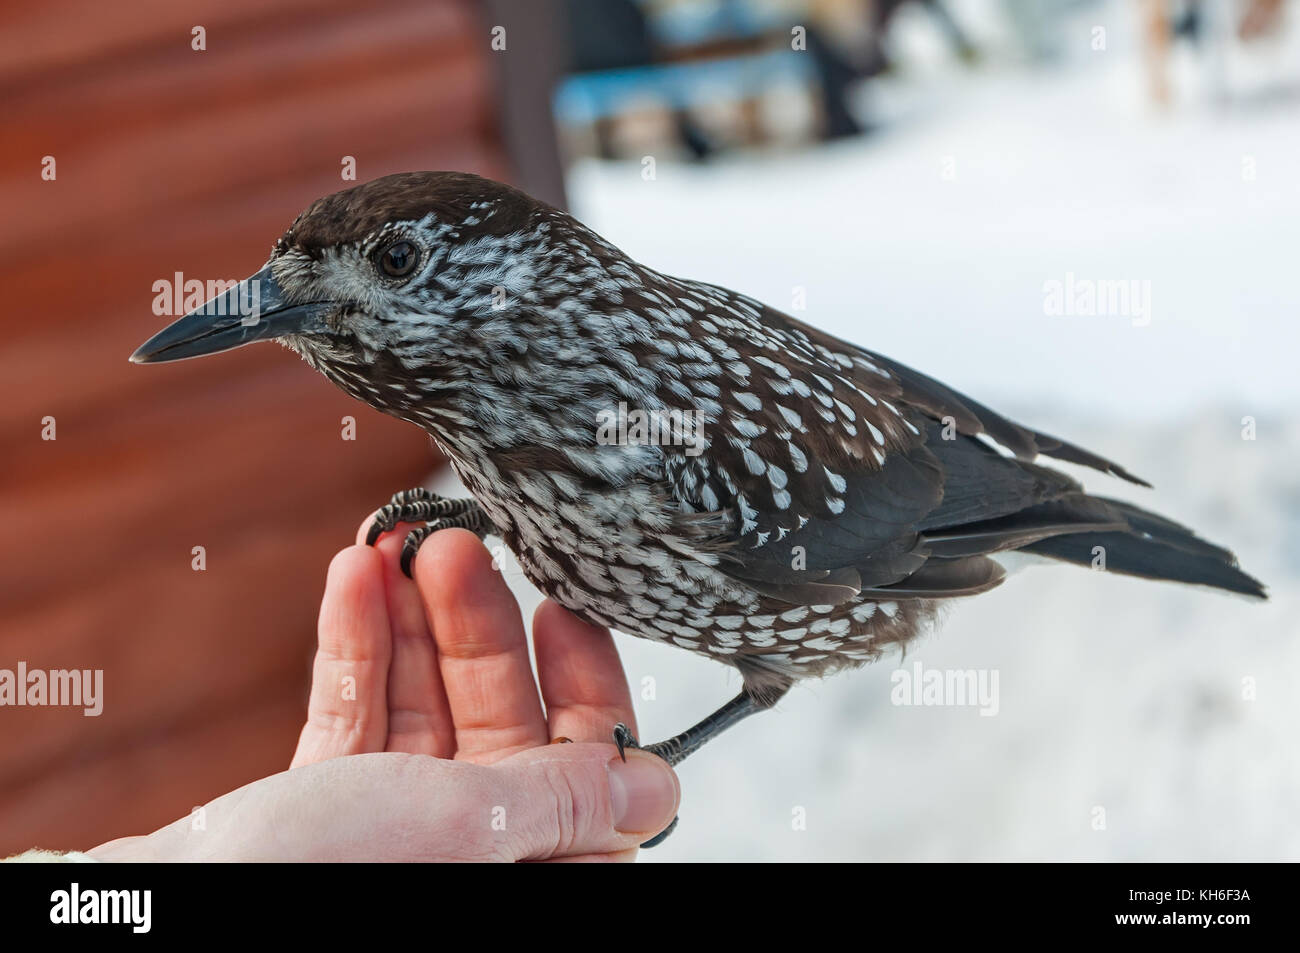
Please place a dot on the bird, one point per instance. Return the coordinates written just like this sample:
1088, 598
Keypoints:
666, 457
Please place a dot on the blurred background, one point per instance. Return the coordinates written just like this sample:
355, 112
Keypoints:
914, 176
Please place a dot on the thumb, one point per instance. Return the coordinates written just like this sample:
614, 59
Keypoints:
566, 800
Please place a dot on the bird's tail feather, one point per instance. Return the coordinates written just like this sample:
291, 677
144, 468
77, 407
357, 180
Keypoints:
1154, 548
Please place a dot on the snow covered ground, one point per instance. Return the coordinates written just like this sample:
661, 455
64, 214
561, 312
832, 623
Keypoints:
1136, 721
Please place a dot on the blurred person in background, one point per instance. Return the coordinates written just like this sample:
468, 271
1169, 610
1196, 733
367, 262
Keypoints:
636, 51
1207, 27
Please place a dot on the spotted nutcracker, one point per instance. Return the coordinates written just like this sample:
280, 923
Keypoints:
810, 502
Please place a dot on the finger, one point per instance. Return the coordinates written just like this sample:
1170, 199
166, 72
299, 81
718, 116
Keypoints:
419, 719
482, 650
348, 709
555, 801
582, 681
120, 849
617, 857
583, 799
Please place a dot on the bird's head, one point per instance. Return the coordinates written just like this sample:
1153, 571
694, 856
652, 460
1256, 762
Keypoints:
401, 289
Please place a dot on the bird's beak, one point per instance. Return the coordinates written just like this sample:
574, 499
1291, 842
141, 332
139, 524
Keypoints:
253, 310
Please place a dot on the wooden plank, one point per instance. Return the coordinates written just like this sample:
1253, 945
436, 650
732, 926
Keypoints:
188, 133
143, 782
171, 160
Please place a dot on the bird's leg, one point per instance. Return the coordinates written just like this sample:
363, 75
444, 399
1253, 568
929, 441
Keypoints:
436, 512
676, 748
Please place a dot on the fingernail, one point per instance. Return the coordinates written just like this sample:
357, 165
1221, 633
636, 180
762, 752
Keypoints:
644, 792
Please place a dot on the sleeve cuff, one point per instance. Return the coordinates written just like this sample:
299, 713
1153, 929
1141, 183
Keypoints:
37, 856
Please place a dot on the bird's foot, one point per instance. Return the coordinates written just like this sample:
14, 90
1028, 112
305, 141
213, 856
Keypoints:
624, 739
669, 750
436, 512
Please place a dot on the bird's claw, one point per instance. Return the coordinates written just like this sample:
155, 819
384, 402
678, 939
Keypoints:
624, 739
411, 545
391, 513
436, 512
662, 835
385, 519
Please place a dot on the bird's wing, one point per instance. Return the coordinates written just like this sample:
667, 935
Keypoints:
843, 472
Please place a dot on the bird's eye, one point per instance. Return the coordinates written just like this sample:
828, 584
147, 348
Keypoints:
399, 259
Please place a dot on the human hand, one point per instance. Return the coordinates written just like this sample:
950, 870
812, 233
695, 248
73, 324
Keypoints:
435, 673
439, 665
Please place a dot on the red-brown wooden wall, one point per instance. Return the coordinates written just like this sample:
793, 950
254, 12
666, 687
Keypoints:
172, 160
